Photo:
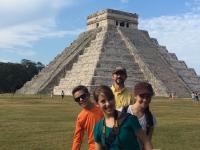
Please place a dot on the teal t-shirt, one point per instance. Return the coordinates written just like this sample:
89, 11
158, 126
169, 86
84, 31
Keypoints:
125, 140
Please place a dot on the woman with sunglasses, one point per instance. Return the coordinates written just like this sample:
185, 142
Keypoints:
117, 130
86, 119
143, 93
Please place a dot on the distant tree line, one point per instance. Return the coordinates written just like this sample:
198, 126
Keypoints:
14, 75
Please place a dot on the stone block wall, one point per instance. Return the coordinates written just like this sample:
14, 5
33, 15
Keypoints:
112, 40
50, 75
155, 68
188, 75
82, 70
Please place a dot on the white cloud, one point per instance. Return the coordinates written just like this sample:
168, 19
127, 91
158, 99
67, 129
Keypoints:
24, 35
63, 33
25, 22
124, 1
17, 11
20, 52
180, 34
4, 60
18, 37
21, 6
195, 5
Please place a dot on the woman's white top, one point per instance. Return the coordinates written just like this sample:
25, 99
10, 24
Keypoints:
142, 120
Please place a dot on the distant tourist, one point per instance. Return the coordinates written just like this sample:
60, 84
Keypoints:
62, 94
143, 93
86, 119
193, 97
51, 94
170, 95
123, 96
117, 130
196, 97
173, 95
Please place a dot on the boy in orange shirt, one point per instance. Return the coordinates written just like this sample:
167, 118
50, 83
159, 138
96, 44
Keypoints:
86, 119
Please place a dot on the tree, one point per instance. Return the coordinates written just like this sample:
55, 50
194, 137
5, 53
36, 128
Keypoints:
14, 75
40, 66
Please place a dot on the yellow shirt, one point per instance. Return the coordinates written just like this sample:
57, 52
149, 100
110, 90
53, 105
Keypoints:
122, 98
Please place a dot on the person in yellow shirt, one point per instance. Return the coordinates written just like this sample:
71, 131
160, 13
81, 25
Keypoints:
86, 119
123, 97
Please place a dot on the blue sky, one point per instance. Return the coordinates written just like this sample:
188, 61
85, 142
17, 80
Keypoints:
40, 29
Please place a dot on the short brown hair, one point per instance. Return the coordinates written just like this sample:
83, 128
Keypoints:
143, 88
105, 90
80, 87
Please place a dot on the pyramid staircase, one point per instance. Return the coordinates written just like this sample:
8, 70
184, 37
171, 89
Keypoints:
45, 81
156, 68
112, 40
82, 70
188, 75
95, 65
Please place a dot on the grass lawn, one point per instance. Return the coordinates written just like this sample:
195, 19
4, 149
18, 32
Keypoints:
41, 123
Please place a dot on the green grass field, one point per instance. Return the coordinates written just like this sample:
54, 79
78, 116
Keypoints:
42, 123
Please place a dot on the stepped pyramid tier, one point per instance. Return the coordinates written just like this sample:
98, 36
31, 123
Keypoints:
113, 39
50, 76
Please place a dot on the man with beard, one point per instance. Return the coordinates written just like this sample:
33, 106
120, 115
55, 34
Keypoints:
123, 96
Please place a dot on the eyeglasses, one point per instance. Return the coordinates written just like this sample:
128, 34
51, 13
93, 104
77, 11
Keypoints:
83, 96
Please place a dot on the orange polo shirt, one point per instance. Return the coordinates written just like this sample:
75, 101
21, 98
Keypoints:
86, 121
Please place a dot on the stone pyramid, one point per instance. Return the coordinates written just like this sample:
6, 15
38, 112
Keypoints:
113, 39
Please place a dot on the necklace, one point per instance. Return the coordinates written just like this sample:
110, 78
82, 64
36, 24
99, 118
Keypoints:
114, 132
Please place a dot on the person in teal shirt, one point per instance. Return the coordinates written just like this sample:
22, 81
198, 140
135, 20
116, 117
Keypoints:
117, 130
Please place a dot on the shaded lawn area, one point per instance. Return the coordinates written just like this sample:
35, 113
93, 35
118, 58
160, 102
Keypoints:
40, 123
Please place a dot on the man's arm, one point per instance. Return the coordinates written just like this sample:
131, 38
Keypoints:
78, 136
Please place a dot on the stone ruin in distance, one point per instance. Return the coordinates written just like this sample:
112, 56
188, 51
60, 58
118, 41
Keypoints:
113, 39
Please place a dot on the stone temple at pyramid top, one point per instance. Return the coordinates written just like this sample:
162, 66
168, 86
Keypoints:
112, 17
113, 39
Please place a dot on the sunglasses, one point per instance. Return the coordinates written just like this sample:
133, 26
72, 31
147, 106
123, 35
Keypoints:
146, 96
83, 96
120, 73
